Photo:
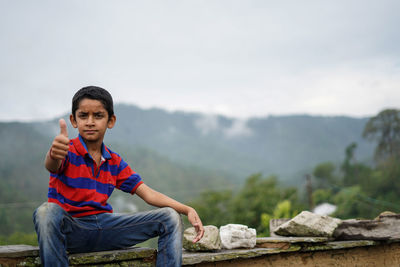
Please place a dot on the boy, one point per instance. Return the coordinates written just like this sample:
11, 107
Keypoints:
83, 174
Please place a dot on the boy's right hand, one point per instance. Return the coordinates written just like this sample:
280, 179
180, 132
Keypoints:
59, 147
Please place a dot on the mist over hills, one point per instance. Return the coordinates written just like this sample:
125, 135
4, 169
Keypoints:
178, 153
287, 146
283, 145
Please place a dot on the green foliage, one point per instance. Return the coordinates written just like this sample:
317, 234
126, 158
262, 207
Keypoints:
256, 197
325, 174
259, 197
362, 191
351, 203
19, 238
385, 129
215, 207
320, 196
282, 210
386, 183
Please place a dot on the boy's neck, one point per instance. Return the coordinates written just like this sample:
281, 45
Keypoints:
93, 147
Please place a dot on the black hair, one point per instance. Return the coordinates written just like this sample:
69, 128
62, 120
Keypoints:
96, 93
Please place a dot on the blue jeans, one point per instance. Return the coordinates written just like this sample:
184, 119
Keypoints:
58, 233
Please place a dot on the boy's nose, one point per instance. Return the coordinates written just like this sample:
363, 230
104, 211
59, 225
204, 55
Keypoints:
90, 120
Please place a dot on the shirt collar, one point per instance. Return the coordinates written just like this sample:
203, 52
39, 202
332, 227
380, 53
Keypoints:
82, 149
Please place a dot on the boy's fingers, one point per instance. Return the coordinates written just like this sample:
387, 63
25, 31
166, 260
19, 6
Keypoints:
61, 141
199, 235
58, 154
56, 150
200, 232
197, 224
63, 127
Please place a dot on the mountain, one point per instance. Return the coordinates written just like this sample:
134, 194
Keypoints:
282, 145
287, 146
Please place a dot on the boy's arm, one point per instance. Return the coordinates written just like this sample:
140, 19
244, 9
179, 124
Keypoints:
158, 199
58, 150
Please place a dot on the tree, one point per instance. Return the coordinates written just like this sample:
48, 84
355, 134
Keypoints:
283, 209
325, 175
385, 129
351, 203
354, 173
214, 208
258, 195
261, 195
349, 166
320, 196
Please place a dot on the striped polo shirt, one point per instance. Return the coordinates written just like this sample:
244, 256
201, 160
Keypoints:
81, 188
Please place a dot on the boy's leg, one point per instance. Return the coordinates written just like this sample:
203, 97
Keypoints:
48, 220
58, 231
124, 230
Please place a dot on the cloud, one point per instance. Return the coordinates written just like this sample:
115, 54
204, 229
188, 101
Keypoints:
207, 124
238, 128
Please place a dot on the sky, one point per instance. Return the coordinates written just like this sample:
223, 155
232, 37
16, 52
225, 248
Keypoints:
241, 59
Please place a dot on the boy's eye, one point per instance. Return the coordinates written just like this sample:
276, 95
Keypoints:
98, 115
82, 115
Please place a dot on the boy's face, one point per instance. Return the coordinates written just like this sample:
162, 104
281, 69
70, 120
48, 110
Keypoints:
92, 121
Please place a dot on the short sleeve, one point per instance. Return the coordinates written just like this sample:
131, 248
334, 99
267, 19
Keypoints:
127, 180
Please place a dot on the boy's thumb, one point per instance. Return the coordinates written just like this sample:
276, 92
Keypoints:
63, 127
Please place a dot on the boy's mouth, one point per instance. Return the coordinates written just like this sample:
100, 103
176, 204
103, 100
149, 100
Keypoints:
90, 131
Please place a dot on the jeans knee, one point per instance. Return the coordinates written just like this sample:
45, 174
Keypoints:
47, 214
173, 218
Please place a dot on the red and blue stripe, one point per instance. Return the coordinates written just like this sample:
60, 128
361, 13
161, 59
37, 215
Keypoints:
81, 191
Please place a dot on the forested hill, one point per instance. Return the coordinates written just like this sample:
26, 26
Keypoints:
283, 145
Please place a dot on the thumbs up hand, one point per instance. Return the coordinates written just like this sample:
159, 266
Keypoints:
59, 147
63, 128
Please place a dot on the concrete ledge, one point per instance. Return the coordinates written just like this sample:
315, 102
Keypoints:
23, 255
310, 251
270, 251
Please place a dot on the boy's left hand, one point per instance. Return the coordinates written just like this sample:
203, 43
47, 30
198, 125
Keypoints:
194, 219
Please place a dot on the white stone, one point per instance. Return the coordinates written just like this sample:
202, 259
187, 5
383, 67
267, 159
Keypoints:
237, 236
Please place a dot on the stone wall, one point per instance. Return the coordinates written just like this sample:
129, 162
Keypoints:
289, 252
271, 251
23, 255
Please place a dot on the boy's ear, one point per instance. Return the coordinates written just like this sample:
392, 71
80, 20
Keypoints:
73, 121
111, 121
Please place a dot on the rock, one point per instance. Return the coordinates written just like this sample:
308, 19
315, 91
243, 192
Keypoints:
309, 224
210, 240
237, 236
385, 227
385, 213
